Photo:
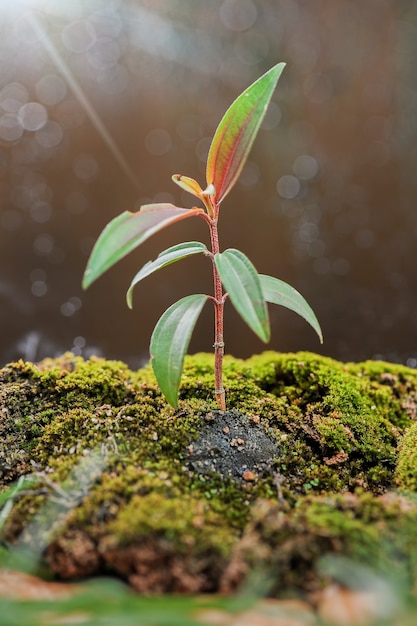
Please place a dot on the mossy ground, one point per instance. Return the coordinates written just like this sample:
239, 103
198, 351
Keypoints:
309, 459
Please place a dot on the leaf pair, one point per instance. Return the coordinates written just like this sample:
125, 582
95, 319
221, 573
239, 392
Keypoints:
248, 291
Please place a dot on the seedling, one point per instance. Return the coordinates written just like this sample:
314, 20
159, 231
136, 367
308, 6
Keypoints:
234, 275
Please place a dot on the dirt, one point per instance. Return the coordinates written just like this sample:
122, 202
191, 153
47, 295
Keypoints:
232, 445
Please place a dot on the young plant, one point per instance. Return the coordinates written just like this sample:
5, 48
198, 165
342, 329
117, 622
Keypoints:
234, 275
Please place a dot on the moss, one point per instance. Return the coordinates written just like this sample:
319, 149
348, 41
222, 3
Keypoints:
117, 465
189, 523
289, 547
406, 470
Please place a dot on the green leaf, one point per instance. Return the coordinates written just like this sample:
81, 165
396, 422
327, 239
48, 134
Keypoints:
278, 292
168, 256
236, 133
127, 231
241, 281
170, 340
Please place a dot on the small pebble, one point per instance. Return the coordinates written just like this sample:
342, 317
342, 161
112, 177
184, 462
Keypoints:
249, 476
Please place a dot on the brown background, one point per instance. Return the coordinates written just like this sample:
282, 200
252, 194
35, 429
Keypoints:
102, 101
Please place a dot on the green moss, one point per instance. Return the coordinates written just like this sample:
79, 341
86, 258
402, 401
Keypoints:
114, 461
188, 523
406, 470
380, 533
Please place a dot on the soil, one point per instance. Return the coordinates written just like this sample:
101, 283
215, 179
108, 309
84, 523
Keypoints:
231, 445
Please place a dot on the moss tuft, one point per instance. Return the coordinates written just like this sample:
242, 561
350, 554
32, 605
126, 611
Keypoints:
406, 470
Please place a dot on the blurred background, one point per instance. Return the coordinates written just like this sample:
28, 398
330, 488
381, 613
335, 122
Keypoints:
101, 101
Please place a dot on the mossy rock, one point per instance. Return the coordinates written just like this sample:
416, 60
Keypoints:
313, 457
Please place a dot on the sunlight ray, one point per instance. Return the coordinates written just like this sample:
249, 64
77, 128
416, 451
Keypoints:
82, 98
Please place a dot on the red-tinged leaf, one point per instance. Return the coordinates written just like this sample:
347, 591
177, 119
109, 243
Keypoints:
170, 340
127, 231
236, 133
241, 281
168, 256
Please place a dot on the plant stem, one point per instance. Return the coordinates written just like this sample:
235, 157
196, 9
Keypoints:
218, 319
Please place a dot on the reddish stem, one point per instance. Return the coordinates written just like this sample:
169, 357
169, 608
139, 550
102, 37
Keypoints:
218, 322
218, 301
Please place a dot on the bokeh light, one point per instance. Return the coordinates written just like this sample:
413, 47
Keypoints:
102, 101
